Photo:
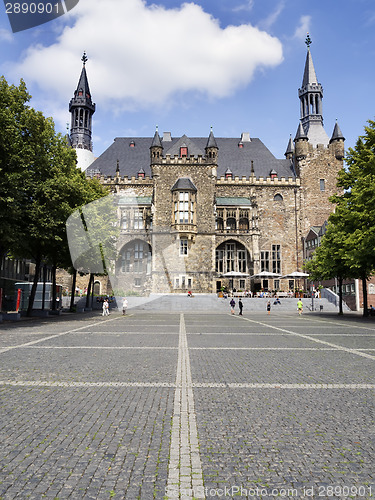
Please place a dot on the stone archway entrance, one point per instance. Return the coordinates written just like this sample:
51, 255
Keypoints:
133, 268
233, 266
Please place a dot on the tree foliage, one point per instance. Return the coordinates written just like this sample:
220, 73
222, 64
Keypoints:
13, 111
40, 184
348, 247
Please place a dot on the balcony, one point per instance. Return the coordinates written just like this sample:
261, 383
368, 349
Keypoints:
185, 228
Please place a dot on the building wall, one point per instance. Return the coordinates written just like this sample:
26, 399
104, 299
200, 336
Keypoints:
279, 222
320, 163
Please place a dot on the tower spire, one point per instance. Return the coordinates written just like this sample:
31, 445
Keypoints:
81, 109
311, 95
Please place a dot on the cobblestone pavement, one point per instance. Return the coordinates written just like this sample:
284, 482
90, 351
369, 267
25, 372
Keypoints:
182, 405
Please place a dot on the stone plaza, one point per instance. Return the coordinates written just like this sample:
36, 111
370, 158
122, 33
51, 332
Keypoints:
188, 404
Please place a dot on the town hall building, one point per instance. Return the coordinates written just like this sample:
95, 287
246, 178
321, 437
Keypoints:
201, 214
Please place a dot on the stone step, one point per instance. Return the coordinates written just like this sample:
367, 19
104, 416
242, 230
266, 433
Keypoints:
211, 302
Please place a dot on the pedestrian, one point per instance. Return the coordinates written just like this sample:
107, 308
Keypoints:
124, 306
232, 305
269, 307
240, 305
299, 306
105, 308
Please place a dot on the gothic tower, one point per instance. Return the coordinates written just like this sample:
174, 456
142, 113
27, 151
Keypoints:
82, 108
311, 95
317, 158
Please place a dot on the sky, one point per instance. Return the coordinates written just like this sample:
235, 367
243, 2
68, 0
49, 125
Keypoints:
184, 67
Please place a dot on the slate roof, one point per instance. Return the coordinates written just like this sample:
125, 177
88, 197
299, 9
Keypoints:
230, 155
184, 184
232, 201
309, 75
337, 134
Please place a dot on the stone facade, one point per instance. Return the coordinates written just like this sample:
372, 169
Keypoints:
201, 214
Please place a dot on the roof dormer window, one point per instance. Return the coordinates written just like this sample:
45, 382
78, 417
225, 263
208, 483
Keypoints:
141, 174
228, 173
183, 151
132, 144
273, 174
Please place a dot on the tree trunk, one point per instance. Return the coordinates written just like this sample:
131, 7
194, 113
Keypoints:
44, 287
33, 288
91, 279
340, 296
73, 292
53, 288
364, 287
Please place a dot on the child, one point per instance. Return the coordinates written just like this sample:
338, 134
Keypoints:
299, 306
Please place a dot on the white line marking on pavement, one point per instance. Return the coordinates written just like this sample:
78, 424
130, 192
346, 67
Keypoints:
308, 337
5, 349
204, 385
92, 347
285, 386
185, 477
264, 349
72, 384
46, 383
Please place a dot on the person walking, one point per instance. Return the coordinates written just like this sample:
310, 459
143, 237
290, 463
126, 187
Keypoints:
105, 308
124, 306
240, 305
299, 306
269, 307
232, 305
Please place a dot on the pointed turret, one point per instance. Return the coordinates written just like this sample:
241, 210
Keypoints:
156, 148
311, 95
81, 108
211, 147
156, 141
337, 134
290, 149
300, 134
301, 141
337, 142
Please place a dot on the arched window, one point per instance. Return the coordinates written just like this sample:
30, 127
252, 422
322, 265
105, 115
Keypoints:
219, 224
231, 224
244, 224
278, 197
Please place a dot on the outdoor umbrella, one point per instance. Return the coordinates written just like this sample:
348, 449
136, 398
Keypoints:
296, 275
235, 274
266, 275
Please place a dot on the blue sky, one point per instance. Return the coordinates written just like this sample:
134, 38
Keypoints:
235, 65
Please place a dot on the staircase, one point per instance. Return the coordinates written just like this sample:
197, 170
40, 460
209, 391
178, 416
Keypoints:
211, 303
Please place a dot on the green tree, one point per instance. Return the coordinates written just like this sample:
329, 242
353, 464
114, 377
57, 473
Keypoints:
348, 247
330, 260
52, 187
355, 208
13, 112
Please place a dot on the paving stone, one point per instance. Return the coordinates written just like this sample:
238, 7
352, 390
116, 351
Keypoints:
293, 405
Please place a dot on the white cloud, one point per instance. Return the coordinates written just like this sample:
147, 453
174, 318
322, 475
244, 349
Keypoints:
6, 35
143, 55
303, 28
244, 6
267, 23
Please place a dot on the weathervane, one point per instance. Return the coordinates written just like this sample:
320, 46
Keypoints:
84, 58
308, 41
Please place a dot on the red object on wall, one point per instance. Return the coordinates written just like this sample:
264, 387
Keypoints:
19, 291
